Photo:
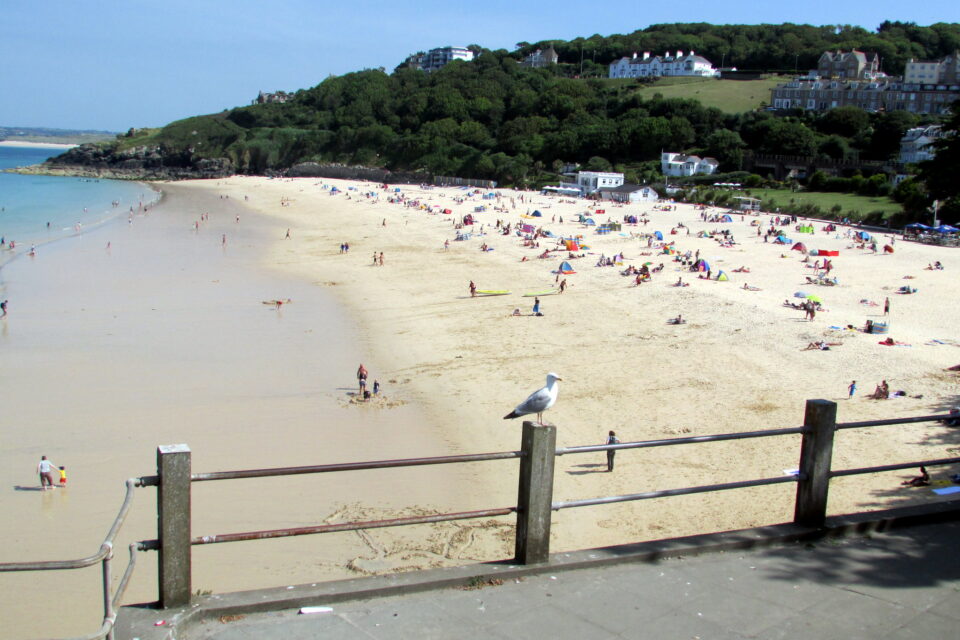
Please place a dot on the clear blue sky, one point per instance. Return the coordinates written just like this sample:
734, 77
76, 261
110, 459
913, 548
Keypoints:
113, 64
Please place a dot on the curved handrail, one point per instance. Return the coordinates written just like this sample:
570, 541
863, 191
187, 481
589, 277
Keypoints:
88, 561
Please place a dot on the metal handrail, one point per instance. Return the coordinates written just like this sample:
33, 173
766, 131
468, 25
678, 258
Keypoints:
882, 423
346, 526
352, 466
666, 442
104, 555
676, 492
893, 467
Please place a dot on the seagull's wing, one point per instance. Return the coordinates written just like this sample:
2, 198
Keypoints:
540, 400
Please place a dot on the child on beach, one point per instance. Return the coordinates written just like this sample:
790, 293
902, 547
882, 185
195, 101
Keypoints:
852, 389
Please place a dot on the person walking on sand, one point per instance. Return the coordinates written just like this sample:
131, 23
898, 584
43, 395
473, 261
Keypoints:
3, 308
374, 258
886, 307
288, 234
473, 293
611, 439
45, 469
536, 306
852, 389
381, 258
563, 285
362, 377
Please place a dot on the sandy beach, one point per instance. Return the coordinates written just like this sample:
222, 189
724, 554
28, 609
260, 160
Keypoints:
164, 338
35, 145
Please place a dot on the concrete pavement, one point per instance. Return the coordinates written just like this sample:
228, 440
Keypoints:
903, 583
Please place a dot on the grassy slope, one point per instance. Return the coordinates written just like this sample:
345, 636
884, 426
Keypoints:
826, 201
730, 96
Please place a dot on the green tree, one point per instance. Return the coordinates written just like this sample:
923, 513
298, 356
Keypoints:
940, 174
727, 147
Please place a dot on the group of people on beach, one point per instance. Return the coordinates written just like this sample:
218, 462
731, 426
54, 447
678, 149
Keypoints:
364, 393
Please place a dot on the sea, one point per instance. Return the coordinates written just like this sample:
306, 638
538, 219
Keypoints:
37, 210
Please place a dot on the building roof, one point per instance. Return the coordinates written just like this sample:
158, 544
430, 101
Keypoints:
626, 187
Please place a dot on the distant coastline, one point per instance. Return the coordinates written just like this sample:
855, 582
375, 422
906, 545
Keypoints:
36, 145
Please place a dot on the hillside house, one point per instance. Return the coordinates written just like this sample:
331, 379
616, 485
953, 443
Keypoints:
849, 65
679, 164
656, 66
629, 193
541, 58
917, 144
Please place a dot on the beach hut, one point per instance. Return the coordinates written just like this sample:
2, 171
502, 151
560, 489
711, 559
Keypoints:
566, 268
799, 247
658, 235
722, 276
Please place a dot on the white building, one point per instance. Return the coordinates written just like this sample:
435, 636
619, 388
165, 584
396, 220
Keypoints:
590, 181
629, 193
541, 58
943, 71
679, 164
437, 58
917, 144
653, 67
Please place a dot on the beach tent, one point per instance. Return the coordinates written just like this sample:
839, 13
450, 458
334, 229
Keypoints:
703, 265
631, 219
571, 245
722, 276
799, 294
566, 268
863, 235
726, 218
805, 229
537, 214
658, 235
783, 240
887, 248
824, 252
527, 228
589, 222
799, 247
814, 252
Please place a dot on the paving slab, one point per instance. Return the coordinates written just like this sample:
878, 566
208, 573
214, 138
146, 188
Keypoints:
899, 584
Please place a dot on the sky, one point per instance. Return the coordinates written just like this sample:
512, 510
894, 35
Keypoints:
115, 64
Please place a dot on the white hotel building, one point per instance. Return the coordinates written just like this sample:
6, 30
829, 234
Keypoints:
653, 67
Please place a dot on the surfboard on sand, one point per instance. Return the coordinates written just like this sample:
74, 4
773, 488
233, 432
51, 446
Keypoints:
492, 292
548, 292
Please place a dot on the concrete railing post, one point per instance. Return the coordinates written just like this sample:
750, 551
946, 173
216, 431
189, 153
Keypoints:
816, 453
173, 524
535, 497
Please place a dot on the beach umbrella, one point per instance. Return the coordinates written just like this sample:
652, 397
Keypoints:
945, 228
813, 298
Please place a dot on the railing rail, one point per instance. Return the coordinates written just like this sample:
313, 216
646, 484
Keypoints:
104, 556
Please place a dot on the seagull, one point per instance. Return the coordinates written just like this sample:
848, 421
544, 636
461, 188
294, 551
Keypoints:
539, 401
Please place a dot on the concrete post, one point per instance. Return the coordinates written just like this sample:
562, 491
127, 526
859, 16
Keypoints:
535, 497
816, 453
173, 524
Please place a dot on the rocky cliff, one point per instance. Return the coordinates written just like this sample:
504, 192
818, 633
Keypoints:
136, 163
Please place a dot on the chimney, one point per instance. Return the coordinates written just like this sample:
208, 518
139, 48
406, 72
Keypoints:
692, 52
634, 55
646, 55
679, 53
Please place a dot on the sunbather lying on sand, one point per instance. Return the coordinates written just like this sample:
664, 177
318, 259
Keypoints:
678, 320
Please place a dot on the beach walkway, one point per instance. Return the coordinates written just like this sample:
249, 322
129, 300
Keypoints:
899, 584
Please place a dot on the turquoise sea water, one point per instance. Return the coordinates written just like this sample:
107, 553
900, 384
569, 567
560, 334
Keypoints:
28, 203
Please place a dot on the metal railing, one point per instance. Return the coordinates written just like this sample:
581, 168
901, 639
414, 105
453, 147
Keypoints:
111, 598
535, 502
533, 510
